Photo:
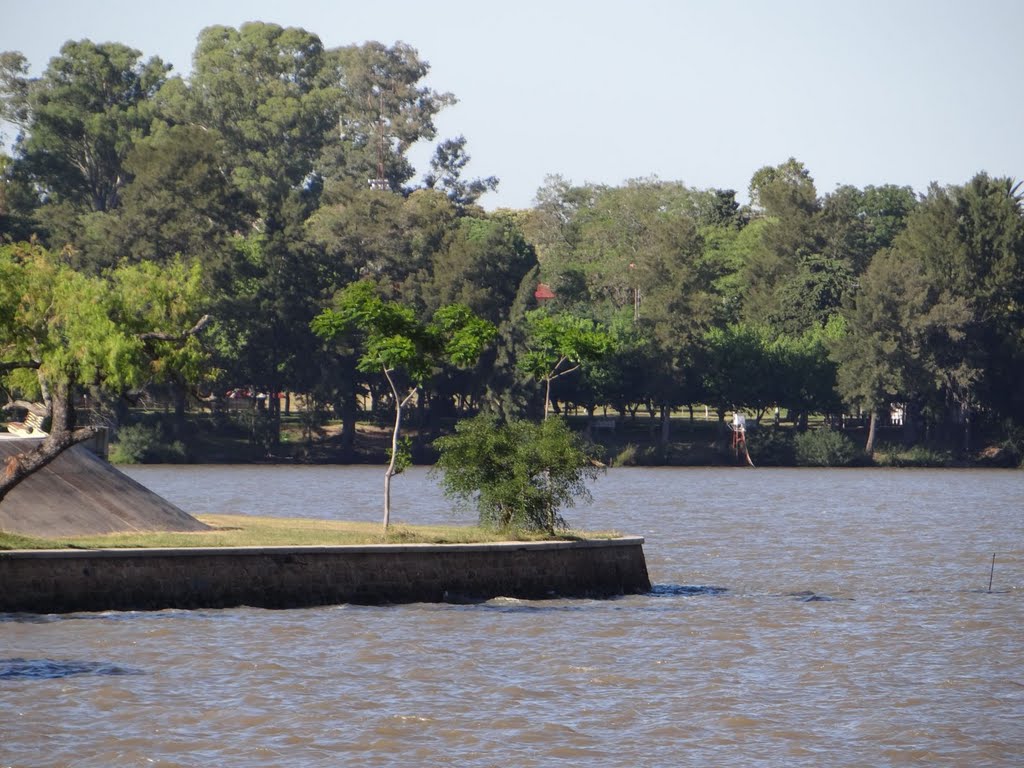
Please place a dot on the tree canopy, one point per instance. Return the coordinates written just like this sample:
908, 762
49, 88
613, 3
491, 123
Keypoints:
61, 329
277, 174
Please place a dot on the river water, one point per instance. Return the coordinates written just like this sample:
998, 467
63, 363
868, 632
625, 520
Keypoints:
799, 618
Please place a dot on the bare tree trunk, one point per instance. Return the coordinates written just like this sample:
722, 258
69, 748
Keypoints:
62, 436
400, 403
869, 447
666, 422
390, 472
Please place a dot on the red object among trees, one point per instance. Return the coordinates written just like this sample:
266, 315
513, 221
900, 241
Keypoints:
543, 292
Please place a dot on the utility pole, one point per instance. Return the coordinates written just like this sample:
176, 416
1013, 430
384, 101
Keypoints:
380, 182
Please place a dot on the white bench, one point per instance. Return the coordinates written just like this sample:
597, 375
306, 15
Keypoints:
32, 426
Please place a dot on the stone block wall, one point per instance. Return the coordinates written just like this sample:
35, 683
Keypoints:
61, 581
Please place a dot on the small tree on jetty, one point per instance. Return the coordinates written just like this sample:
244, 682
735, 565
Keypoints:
402, 348
518, 474
60, 329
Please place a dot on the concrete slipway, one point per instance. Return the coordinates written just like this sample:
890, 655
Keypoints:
81, 494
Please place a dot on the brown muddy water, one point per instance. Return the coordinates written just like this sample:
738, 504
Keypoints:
799, 618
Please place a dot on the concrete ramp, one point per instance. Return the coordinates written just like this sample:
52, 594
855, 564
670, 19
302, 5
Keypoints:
81, 494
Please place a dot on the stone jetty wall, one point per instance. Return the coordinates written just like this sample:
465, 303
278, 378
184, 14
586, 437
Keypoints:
62, 581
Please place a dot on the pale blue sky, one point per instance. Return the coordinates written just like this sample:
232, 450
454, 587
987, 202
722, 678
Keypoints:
872, 92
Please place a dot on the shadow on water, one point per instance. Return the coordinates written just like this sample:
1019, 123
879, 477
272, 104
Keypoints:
685, 590
515, 605
53, 618
52, 669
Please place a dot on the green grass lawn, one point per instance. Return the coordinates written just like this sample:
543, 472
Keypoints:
249, 531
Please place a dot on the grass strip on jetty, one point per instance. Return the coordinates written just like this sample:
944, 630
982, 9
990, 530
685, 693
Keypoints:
250, 531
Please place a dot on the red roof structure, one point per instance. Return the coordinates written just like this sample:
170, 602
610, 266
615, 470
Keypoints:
543, 292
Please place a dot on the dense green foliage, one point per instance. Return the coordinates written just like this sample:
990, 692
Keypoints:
519, 474
825, 448
64, 332
125, 329
279, 171
145, 444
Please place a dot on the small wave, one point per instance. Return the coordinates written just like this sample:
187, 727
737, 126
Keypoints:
808, 596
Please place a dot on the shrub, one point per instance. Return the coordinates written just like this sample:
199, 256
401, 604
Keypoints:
143, 444
826, 448
772, 447
626, 457
914, 456
642, 456
517, 474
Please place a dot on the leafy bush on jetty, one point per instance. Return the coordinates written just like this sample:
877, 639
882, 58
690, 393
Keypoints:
518, 474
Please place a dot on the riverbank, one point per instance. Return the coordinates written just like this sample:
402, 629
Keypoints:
623, 441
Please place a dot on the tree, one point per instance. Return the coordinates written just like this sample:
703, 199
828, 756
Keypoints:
780, 189
63, 328
884, 211
968, 242
738, 368
873, 354
179, 202
365, 233
403, 349
80, 119
271, 97
559, 344
484, 263
519, 474
635, 253
788, 257
371, 234
481, 264
633, 239
899, 331
802, 372
552, 226
383, 110
446, 168
17, 202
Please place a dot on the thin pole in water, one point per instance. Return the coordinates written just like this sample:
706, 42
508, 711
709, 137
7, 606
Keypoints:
991, 573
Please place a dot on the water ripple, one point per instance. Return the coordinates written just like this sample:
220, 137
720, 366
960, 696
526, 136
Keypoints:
831, 618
